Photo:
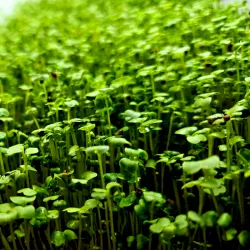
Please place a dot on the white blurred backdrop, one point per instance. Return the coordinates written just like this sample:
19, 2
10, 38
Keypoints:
6, 6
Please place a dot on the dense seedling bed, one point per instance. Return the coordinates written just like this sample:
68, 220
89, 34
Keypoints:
125, 125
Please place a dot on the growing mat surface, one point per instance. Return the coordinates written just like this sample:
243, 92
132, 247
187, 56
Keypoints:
125, 125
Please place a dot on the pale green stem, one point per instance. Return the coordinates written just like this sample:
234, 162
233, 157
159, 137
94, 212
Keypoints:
101, 170
111, 221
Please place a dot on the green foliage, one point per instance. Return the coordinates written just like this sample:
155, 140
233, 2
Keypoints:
125, 125
225, 220
192, 167
21, 200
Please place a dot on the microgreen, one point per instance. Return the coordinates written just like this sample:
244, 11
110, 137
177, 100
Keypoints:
129, 130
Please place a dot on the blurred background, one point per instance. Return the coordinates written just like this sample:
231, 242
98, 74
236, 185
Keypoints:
6, 6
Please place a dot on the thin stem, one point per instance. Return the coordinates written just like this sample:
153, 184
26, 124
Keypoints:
193, 237
248, 129
26, 168
78, 154
162, 177
132, 223
108, 116
80, 232
45, 91
204, 238
151, 144
48, 235
2, 164
21, 244
185, 192
100, 226
228, 129
36, 122
170, 130
27, 234
177, 198
201, 200
12, 234
53, 149
112, 158
4, 240
57, 115
111, 221
214, 201
152, 83
58, 224
92, 229
136, 225
210, 145
151, 218
145, 140
101, 170
107, 225
68, 115
240, 200
34, 238
218, 234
